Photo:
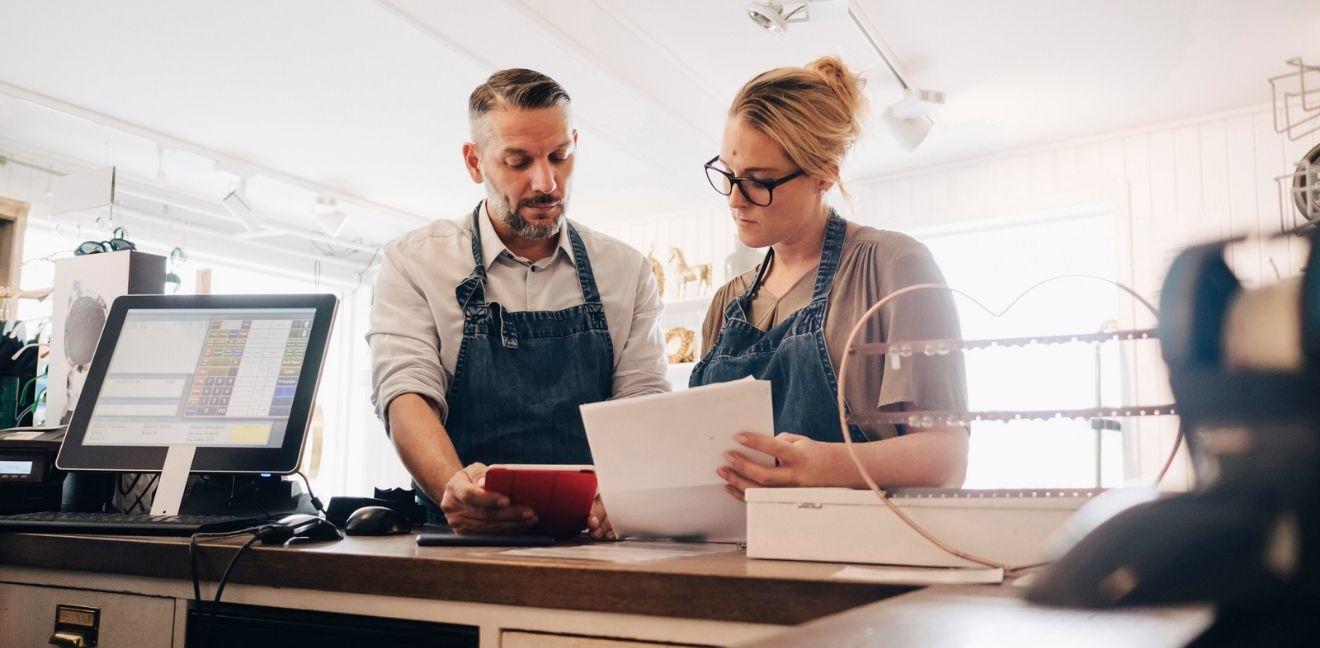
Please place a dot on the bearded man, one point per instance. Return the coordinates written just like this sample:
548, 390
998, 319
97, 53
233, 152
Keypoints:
488, 331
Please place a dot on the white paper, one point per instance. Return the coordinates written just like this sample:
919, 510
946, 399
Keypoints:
923, 575
656, 458
623, 552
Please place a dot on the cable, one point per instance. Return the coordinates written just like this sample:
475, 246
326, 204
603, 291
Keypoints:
843, 409
316, 503
224, 578
192, 557
1168, 462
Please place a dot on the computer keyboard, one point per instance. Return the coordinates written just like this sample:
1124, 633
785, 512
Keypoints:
124, 523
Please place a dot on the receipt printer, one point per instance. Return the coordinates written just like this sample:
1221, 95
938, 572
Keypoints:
29, 481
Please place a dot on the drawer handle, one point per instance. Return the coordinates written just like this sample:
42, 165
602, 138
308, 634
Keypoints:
67, 638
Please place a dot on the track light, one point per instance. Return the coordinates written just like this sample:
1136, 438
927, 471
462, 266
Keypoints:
774, 16
909, 120
328, 217
237, 205
770, 16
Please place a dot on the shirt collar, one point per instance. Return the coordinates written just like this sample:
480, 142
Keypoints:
492, 246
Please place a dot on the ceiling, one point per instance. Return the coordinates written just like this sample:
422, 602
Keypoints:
368, 97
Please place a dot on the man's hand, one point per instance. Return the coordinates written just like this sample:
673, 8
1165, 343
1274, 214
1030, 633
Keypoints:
801, 462
470, 509
599, 522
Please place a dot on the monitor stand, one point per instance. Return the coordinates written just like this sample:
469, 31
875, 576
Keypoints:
173, 480
246, 495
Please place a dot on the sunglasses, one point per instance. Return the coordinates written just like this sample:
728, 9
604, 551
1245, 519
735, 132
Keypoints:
97, 247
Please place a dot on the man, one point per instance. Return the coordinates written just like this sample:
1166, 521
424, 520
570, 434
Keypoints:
488, 331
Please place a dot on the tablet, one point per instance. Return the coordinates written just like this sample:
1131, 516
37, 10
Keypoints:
560, 495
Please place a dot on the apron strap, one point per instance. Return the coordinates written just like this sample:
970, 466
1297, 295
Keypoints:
836, 230
586, 278
750, 293
471, 292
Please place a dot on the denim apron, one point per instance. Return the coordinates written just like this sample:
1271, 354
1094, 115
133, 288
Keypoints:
792, 355
521, 376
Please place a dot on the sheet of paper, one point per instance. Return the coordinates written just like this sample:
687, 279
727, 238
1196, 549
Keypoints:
656, 458
623, 552
923, 575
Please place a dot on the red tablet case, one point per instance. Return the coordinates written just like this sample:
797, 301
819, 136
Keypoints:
560, 495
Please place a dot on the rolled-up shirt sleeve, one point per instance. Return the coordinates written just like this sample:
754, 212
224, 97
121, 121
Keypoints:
405, 345
641, 364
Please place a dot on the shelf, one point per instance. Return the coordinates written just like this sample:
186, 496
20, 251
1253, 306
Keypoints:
941, 347
962, 419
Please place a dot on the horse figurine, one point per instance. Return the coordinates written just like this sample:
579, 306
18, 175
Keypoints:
688, 274
657, 269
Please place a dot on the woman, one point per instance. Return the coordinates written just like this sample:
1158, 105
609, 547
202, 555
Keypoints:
787, 133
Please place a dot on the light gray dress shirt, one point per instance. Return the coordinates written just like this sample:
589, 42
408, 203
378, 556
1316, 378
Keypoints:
417, 327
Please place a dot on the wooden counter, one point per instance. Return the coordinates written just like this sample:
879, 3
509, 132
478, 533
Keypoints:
721, 587
705, 600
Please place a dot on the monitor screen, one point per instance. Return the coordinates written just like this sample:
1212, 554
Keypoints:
15, 467
232, 376
202, 377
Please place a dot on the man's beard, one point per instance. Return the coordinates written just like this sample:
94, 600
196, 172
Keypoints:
513, 219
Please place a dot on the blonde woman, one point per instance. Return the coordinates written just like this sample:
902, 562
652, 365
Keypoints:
787, 321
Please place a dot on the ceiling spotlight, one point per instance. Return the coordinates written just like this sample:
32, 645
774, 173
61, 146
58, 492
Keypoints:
909, 133
237, 205
909, 120
770, 16
774, 16
328, 217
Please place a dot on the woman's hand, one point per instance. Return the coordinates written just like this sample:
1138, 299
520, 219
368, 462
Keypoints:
801, 462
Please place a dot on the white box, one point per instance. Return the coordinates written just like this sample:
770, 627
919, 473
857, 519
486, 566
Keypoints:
854, 526
85, 287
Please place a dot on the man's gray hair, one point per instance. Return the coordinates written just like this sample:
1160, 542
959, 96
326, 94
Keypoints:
518, 88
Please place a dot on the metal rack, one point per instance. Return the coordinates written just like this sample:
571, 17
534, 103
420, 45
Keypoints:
1295, 99
895, 351
942, 347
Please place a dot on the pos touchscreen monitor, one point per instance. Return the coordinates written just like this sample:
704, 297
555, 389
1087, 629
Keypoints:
230, 377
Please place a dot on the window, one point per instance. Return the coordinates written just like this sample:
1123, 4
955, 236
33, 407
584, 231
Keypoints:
994, 263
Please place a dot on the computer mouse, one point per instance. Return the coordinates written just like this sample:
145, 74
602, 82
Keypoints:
377, 520
299, 528
1189, 548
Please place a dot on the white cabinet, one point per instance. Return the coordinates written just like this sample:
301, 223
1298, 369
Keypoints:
27, 616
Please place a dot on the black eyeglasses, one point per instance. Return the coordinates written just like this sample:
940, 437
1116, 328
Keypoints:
757, 192
96, 247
